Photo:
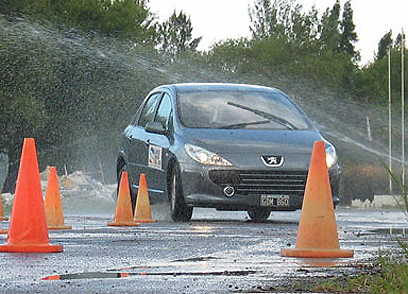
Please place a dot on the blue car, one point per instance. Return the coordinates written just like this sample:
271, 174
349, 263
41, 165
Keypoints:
223, 146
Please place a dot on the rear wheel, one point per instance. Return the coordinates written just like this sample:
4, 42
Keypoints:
121, 167
259, 215
179, 211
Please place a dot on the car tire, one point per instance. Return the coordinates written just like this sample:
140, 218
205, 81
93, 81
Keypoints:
179, 211
121, 167
259, 215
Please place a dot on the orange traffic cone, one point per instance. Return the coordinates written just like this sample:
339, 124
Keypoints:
2, 217
28, 230
53, 204
124, 211
317, 235
143, 213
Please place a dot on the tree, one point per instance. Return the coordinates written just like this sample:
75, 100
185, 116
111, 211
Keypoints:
384, 45
265, 20
283, 19
348, 34
329, 28
128, 19
398, 40
305, 26
20, 116
175, 35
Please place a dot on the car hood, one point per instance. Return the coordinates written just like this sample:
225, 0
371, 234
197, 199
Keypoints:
254, 141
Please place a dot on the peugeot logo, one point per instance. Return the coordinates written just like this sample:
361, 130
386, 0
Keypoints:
272, 160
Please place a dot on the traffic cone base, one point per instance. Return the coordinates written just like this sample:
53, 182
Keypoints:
317, 234
124, 224
143, 213
59, 227
31, 248
317, 253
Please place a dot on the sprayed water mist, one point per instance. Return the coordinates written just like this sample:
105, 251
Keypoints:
91, 86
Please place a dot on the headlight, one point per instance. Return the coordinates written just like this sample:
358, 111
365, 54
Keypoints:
204, 156
331, 156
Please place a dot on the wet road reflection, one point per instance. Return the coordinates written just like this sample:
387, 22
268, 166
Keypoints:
206, 255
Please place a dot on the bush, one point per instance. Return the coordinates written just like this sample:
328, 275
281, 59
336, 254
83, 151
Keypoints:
362, 182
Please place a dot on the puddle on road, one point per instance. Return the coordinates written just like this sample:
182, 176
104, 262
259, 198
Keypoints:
197, 259
109, 275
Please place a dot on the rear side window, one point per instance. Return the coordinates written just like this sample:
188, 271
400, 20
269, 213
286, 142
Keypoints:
148, 109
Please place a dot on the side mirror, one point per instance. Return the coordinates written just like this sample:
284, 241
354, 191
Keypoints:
156, 128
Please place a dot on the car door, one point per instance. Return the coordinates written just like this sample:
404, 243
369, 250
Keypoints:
158, 145
138, 139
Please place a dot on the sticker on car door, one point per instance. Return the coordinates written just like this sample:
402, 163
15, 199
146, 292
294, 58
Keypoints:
155, 157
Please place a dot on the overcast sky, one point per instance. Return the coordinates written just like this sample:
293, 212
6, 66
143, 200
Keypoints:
216, 20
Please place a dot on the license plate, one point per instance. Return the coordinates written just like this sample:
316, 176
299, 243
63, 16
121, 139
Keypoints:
275, 200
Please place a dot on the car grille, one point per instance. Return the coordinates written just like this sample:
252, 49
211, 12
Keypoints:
262, 182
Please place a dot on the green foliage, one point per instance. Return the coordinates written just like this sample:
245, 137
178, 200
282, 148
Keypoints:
298, 43
384, 45
128, 19
330, 35
394, 276
283, 19
21, 114
348, 35
63, 88
399, 40
390, 276
266, 19
175, 35
372, 80
273, 56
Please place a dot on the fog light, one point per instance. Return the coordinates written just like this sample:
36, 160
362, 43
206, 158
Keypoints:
229, 191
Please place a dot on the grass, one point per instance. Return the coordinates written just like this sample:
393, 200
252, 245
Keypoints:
389, 276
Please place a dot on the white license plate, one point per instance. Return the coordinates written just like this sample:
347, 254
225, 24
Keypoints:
275, 200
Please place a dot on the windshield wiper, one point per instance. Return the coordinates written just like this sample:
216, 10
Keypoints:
269, 116
241, 125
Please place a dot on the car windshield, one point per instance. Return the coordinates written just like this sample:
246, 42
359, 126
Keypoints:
239, 110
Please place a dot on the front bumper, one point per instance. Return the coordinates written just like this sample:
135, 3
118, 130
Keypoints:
204, 187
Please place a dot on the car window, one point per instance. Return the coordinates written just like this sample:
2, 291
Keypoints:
164, 111
148, 109
240, 110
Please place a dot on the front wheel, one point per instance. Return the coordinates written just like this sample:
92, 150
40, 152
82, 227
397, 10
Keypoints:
259, 215
179, 211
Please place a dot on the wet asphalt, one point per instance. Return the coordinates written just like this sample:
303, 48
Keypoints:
215, 252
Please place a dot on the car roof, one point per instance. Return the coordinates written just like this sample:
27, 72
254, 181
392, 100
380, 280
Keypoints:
188, 87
